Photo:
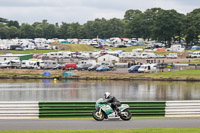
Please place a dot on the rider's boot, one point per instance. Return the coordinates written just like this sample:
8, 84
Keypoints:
118, 112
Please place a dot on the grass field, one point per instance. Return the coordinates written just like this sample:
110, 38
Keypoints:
167, 130
195, 61
31, 51
83, 48
190, 73
187, 74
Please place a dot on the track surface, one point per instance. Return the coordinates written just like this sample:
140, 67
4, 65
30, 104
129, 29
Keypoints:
92, 124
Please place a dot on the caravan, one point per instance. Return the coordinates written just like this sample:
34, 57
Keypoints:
29, 64
148, 68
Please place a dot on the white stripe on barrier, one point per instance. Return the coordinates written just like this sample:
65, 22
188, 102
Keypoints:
1, 118
182, 108
19, 110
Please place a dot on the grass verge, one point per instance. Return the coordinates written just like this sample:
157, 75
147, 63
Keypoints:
189, 73
150, 130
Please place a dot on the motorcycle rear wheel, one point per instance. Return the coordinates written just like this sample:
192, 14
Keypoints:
126, 115
98, 116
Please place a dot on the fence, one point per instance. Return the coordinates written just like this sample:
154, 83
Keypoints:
36, 110
19, 110
85, 109
182, 109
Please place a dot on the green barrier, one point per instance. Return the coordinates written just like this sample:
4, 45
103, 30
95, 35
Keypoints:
85, 109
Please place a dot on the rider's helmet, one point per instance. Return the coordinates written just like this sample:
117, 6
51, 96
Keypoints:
106, 95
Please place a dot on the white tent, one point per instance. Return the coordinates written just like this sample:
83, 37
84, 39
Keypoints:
108, 59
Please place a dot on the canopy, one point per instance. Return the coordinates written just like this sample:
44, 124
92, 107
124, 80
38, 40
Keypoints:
66, 74
46, 74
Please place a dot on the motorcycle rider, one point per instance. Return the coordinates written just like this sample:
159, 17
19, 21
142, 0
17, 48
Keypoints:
114, 102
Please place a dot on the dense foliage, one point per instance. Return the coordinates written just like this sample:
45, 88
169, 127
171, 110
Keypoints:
155, 23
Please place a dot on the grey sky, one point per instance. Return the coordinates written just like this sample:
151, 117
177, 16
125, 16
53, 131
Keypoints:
29, 11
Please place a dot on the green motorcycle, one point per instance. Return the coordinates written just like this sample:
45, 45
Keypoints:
104, 111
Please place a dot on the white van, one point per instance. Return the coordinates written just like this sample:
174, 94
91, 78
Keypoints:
195, 54
148, 68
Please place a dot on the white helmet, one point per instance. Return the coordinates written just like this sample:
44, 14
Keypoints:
106, 95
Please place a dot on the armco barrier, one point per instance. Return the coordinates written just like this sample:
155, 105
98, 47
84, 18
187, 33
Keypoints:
36, 110
85, 109
19, 110
66, 109
182, 109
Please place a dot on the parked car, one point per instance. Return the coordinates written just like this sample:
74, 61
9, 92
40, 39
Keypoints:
103, 68
83, 66
121, 46
69, 66
134, 69
93, 68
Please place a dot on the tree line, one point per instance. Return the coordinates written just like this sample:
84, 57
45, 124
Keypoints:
155, 23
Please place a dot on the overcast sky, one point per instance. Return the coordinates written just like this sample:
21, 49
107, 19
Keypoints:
29, 11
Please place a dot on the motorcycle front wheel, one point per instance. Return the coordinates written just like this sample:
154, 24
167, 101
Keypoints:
98, 116
126, 115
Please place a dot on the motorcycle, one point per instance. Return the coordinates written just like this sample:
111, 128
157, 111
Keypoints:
104, 111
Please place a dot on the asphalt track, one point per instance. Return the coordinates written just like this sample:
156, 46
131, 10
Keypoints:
92, 124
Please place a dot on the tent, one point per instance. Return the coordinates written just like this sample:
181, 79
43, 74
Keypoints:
66, 74
46, 74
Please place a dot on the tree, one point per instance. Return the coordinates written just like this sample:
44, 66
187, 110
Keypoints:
130, 14
13, 32
148, 21
39, 33
115, 28
13, 23
192, 26
63, 31
49, 31
4, 32
167, 25
3, 20
27, 31
133, 20
74, 30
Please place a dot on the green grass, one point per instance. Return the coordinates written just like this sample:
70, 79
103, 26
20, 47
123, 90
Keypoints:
189, 73
149, 130
127, 49
75, 47
26, 74
31, 51
195, 61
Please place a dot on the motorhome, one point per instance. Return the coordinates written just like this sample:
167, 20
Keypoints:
10, 64
33, 63
5, 64
194, 55
50, 64
92, 62
172, 55
147, 55
148, 68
